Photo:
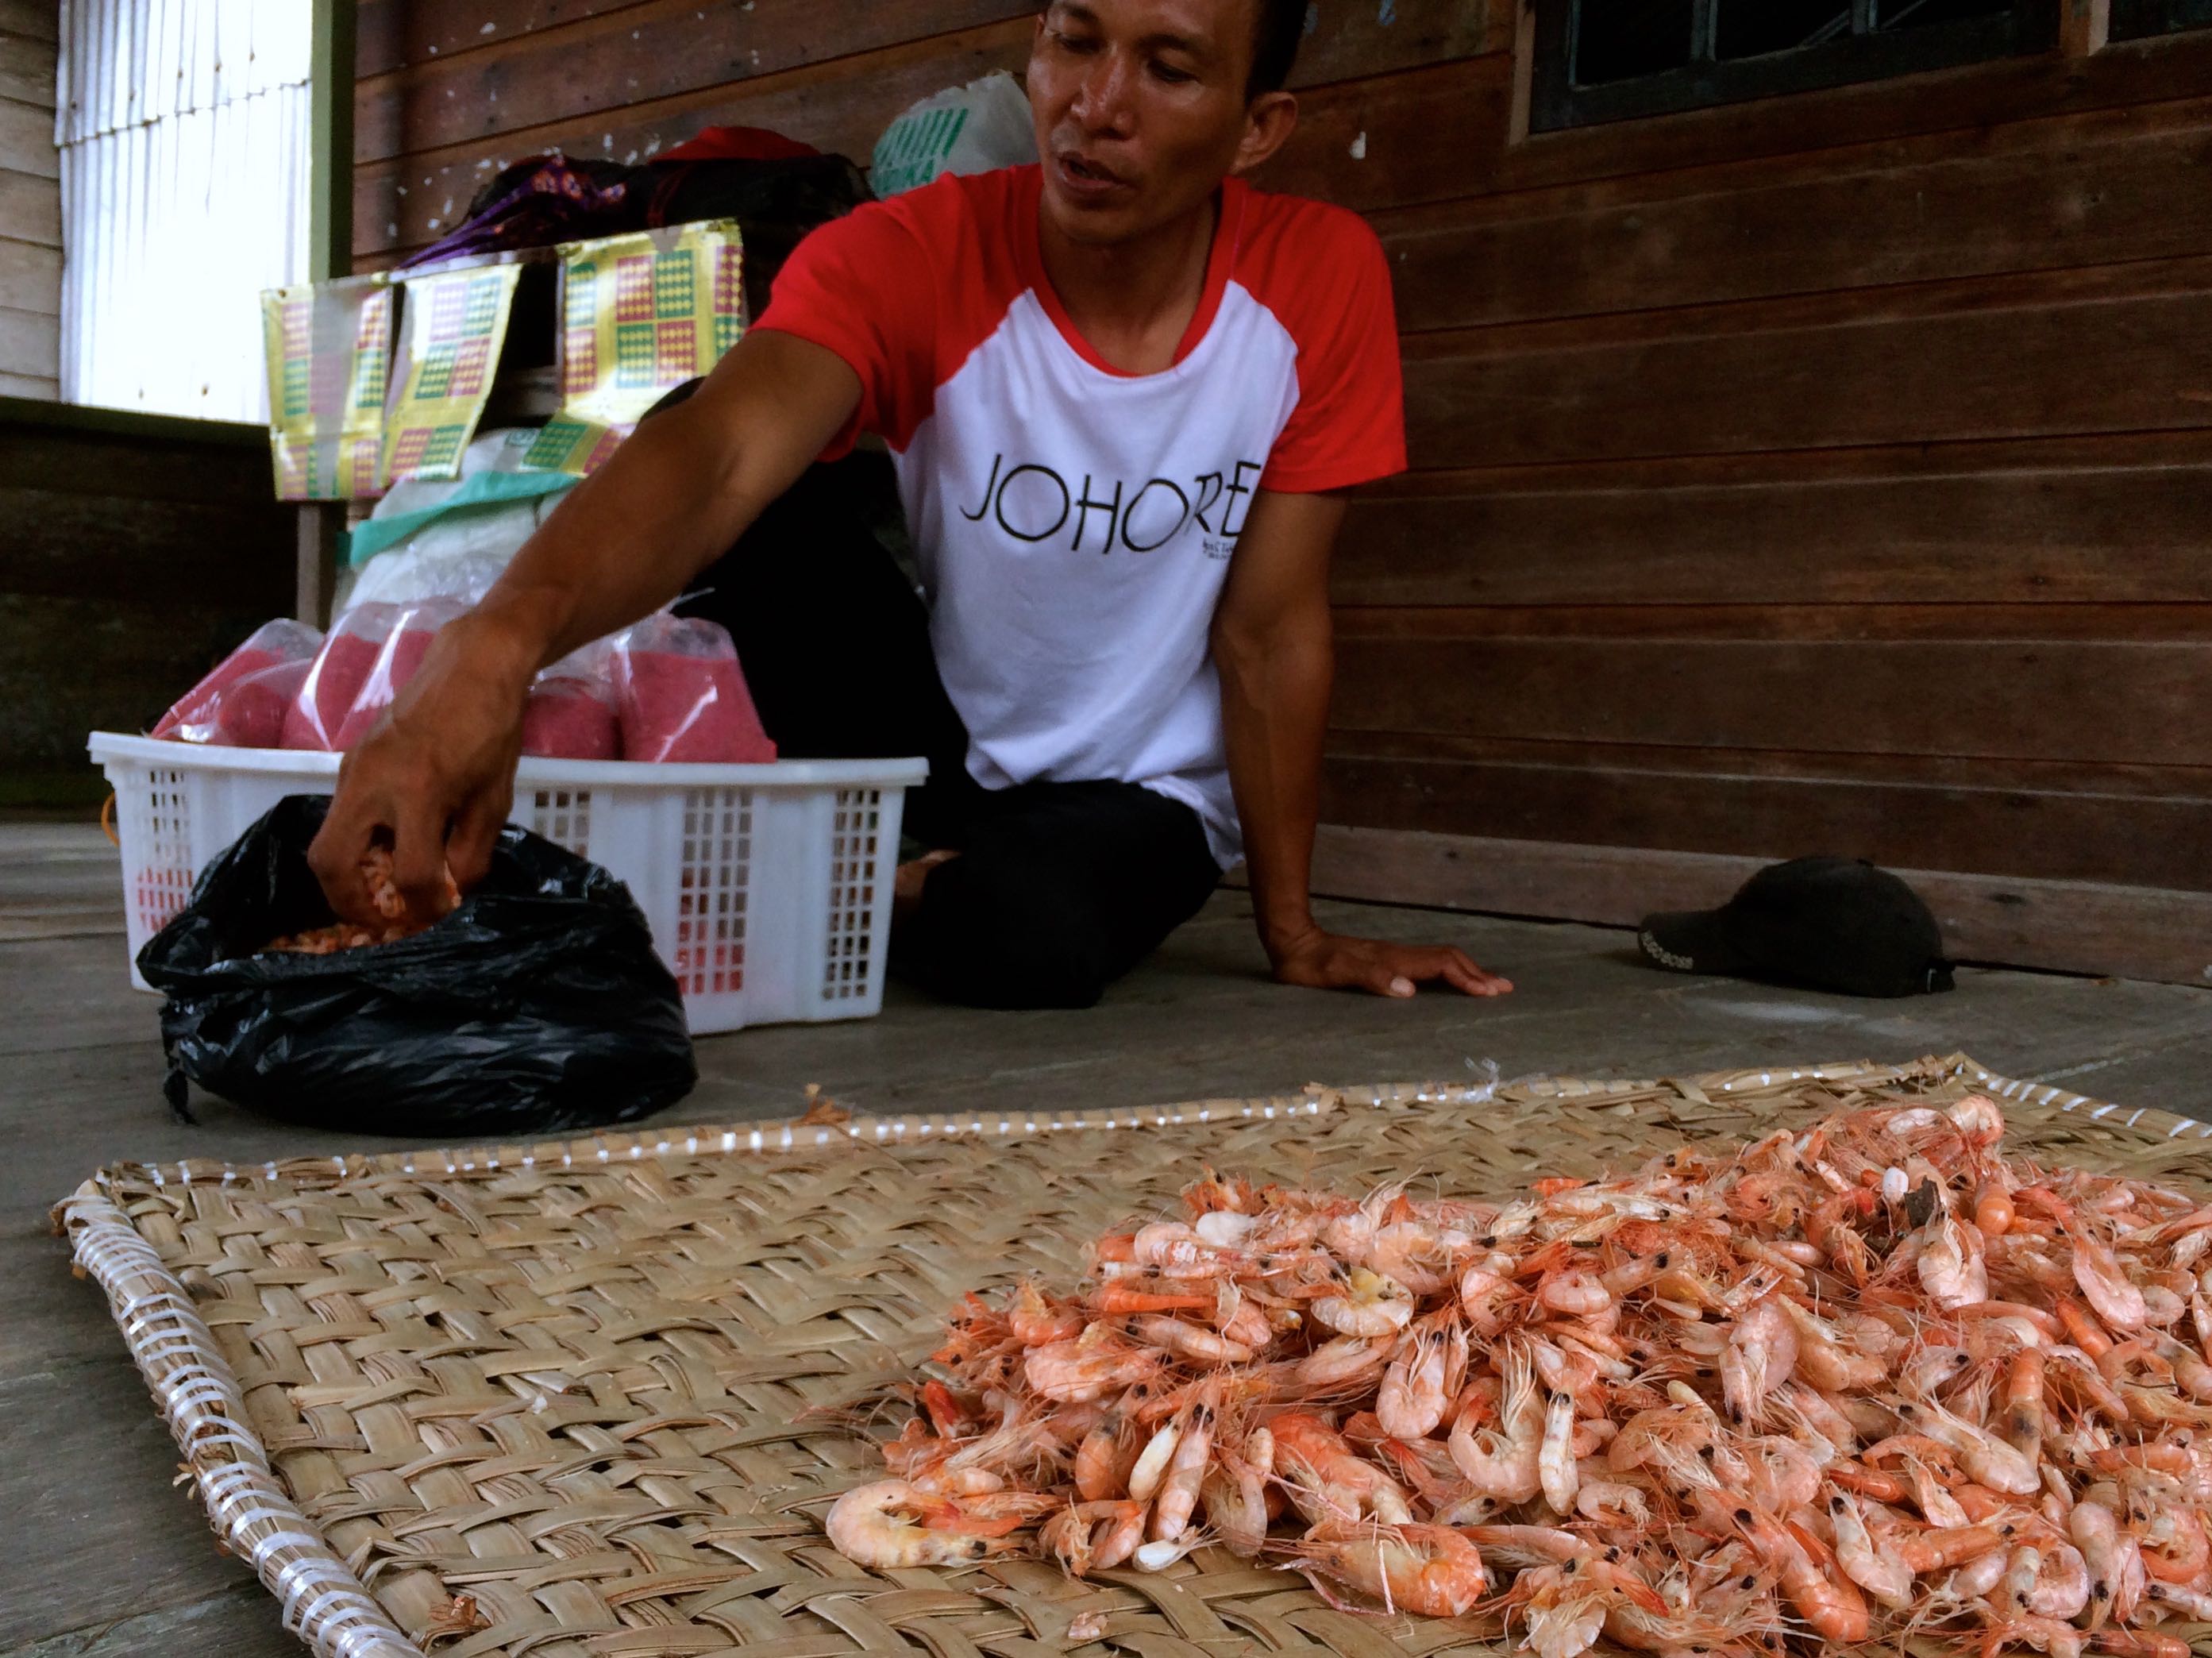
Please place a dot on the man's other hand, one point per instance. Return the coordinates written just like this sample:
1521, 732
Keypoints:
1330, 961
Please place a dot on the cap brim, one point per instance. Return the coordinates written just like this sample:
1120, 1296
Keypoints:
1690, 941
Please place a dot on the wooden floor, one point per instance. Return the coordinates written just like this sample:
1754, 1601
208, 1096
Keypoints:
100, 1555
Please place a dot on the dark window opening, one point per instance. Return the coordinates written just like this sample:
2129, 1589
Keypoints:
2139, 20
1609, 60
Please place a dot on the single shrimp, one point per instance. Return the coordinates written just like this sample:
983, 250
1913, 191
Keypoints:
1036, 1320
2097, 1270
1340, 1362
1330, 1481
2060, 1589
2174, 1544
1085, 1537
1831, 1605
1614, 1503
1940, 1548
1759, 1357
1431, 1571
1095, 1364
1556, 1469
1824, 1361
1419, 1254
2117, 1578
1370, 1306
1104, 1459
1174, 1248
1504, 1462
870, 1525
1877, 1570
1235, 1492
2194, 1604
1178, 1492
1119, 1297
1950, 1264
1193, 1342
2045, 1635
1411, 1400
2140, 1643
2026, 1423
1977, 1579
1982, 1454
1485, 1289
1993, 1209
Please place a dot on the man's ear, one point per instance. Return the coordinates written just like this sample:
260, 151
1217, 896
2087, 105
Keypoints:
1268, 123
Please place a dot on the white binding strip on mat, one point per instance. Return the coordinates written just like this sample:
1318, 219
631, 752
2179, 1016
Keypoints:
323, 1603
2059, 1100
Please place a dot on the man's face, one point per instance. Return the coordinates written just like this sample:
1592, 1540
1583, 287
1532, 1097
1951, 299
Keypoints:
1140, 110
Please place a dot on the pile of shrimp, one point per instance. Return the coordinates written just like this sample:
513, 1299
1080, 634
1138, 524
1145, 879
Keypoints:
1859, 1383
377, 872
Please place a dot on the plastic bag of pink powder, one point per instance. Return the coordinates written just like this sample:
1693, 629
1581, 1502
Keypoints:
342, 666
571, 717
683, 696
231, 706
401, 653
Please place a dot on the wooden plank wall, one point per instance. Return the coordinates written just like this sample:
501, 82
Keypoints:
30, 201
1826, 473
135, 552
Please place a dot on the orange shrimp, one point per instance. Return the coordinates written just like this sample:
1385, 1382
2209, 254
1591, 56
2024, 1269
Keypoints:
1330, 1481
873, 1526
1085, 1537
2097, 1270
2174, 1547
1504, 1463
1103, 1460
1121, 1296
1830, 1602
1192, 1342
2025, 1421
1429, 1570
1095, 1364
2140, 1643
1415, 1389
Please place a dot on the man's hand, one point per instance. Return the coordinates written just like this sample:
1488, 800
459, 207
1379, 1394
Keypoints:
1331, 961
432, 780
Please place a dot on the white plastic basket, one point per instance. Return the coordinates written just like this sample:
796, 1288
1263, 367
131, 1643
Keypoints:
768, 887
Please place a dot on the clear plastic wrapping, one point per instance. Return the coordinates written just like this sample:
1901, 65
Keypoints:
401, 653
241, 703
340, 669
682, 697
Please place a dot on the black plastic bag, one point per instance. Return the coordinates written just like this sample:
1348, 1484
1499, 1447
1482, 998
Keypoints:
538, 1006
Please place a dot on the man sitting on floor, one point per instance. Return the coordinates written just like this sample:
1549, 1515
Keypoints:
1121, 388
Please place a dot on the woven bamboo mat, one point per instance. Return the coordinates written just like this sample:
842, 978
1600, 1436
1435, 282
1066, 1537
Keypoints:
592, 1399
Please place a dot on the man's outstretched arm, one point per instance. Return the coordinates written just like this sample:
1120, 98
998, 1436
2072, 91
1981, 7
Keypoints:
1273, 644
435, 777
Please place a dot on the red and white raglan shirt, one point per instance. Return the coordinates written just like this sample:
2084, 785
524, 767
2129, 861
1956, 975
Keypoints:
1074, 524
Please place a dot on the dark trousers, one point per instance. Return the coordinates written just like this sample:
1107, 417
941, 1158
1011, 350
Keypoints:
1060, 888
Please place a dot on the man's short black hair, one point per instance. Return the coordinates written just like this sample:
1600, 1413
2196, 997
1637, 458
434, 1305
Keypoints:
1281, 26
1276, 32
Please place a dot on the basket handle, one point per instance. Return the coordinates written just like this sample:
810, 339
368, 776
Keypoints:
107, 820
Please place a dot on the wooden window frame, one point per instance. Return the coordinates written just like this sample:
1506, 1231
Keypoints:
2149, 20
1556, 104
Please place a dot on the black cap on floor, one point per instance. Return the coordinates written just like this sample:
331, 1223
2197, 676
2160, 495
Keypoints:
1835, 923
